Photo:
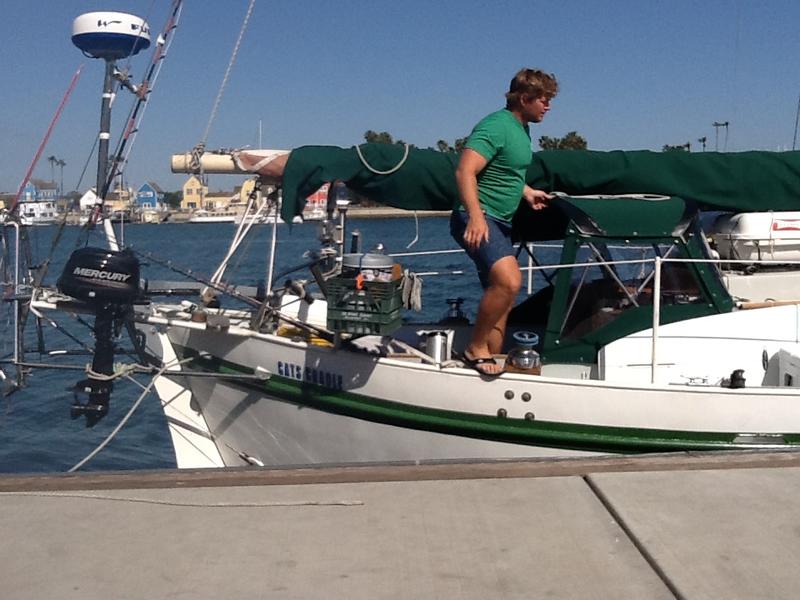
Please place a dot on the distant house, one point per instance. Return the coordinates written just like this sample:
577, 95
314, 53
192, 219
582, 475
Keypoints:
116, 201
88, 200
194, 192
218, 201
38, 190
6, 199
242, 192
150, 196
38, 201
119, 200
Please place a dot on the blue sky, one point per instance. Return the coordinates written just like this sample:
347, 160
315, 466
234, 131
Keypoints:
633, 75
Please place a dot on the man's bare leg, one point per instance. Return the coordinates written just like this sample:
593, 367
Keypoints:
498, 333
505, 280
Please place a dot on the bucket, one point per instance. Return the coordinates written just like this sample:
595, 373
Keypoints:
436, 346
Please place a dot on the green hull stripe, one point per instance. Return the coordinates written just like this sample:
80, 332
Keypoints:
595, 438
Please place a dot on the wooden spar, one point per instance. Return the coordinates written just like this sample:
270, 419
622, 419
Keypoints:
217, 163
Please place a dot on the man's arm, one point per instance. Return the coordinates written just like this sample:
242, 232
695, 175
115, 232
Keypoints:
267, 166
470, 165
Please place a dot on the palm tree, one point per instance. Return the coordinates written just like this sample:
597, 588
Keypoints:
52, 160
443, 146
61, 164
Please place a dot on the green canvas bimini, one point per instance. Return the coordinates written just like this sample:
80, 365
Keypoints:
425, 179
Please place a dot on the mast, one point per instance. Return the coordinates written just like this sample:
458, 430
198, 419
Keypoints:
102, 153
109, 36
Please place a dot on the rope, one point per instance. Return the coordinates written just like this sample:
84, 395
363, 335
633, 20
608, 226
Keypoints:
277, 504
416, 231
228, 72
197, 151
372, 169
196, 154
120, 371
241, 233
127, 416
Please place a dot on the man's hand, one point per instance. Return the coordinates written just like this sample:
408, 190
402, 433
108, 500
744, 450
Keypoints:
477, 231
536, 199
470, 164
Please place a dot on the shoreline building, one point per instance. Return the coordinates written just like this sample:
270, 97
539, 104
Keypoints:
149, 197
37, 205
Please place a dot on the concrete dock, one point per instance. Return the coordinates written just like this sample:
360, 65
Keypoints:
696, 526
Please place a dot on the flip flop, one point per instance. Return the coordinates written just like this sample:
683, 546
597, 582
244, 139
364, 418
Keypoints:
477, 363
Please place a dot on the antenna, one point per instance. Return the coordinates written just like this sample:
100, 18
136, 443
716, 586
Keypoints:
717, 125
796, 118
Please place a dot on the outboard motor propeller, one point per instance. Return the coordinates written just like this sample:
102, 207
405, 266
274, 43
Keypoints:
108, 281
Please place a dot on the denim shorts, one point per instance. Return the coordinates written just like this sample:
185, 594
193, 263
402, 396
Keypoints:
499, 244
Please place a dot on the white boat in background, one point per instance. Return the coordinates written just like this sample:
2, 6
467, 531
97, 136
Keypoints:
317, 213
762, 254
213, 216
151, 216
36, 213
256, 219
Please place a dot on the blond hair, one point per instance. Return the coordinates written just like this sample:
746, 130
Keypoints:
531, 82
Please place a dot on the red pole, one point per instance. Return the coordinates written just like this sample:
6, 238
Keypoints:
46, 137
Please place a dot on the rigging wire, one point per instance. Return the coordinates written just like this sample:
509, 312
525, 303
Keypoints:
43, 143
197, 152
136, 115
86, 164
228, 72
240, 236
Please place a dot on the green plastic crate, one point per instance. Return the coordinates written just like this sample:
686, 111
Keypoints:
373, 310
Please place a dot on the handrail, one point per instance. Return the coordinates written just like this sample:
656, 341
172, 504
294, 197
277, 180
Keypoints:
655, 277
656, 316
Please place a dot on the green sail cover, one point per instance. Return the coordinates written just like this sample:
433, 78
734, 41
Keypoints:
425, 181
745, 182
741, 182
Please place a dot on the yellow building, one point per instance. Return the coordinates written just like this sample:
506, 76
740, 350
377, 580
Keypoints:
243, 192
119, 200
217, 201
194, 193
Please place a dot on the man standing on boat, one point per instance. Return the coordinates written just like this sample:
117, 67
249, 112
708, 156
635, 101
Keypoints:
491, 181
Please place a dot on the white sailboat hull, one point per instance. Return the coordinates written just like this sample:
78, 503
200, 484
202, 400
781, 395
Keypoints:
324, 405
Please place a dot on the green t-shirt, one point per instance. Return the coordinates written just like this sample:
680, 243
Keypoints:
506, 144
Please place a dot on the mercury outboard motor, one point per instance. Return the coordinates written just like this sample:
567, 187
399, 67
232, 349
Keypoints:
108, 281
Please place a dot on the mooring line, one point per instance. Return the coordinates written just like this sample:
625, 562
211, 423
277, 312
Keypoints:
276, 504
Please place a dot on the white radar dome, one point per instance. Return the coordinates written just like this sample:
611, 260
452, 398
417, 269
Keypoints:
110, 35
